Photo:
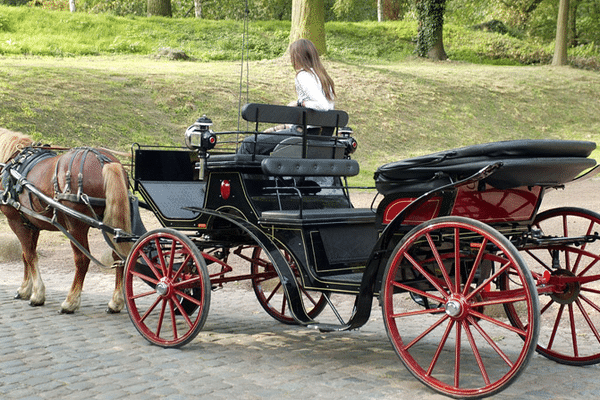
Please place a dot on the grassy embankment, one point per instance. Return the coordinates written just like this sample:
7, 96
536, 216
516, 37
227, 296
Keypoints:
74, 79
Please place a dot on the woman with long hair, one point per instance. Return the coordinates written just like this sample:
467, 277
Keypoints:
314, 87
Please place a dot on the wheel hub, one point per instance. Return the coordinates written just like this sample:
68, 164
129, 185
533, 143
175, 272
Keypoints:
163, 288
570, 291
453, 308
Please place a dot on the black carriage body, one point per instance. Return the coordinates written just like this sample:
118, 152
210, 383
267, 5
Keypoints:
312, 216
447, 240
329, 238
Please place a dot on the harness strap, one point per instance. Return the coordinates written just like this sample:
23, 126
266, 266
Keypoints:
80, 197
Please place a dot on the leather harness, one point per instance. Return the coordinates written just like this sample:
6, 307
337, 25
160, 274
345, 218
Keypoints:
24, 161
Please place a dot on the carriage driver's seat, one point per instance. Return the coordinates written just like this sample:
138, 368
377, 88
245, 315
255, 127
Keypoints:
317, 147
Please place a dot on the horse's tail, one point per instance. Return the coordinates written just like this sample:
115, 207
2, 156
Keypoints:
117, 212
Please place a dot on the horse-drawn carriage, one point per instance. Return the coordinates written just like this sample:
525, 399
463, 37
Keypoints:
471, 279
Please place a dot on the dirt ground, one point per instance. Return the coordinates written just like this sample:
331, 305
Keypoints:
55, 253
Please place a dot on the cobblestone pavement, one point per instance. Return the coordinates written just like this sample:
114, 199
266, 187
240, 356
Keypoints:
241, 353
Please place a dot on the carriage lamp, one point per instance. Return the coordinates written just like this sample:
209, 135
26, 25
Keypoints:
348, 140
200, 136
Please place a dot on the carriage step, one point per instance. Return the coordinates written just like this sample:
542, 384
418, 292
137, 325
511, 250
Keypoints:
324, 328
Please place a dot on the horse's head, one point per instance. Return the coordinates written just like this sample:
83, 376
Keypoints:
11, 142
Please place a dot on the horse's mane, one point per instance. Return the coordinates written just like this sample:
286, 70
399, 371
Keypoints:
11, 142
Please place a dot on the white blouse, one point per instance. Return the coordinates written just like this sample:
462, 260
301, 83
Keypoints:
310, 92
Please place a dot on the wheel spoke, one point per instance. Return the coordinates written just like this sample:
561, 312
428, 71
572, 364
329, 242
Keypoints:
161, 256
434, 281
456, 260
182, 267
427, 332
457, 349
478, 359
438, 351
411, 289
491, 342
161, 317
573, 331
439, 261
555, 327
475, 266
588, 320
150, 309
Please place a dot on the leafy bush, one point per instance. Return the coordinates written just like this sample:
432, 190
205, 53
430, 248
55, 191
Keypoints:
53, 5
14, 2
114, 7
4, 23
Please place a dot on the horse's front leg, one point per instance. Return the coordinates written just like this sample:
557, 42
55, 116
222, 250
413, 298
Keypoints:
117, 302
32, 288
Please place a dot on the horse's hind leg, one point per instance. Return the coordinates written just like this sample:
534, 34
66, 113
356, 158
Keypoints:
117, 302
82, 263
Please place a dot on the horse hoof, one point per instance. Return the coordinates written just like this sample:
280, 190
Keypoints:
36, 304
63, 311
111, 311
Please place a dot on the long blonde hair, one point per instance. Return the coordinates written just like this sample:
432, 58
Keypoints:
304, 56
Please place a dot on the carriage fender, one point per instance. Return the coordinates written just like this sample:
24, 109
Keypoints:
283, 269
385, 245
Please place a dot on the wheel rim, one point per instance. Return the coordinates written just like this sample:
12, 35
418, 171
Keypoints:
570, 327
461, 346
167, 290
269, 290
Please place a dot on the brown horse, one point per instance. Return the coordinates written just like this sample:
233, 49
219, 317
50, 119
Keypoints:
94, 173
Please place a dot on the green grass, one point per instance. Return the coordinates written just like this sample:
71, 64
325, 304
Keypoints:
32, 31
396, 111
399, 106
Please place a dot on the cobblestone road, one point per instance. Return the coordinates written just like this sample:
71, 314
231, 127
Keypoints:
241, 354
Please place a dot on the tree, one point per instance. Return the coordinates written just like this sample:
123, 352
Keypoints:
430, 39
198, 8
72, 6
308, 22
562, 25
159, 8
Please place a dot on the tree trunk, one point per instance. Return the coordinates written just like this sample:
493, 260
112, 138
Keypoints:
562, 29
308, 22
574, 36
159, 8
430, 39
437, 51
72, 6
198, 8
379, 11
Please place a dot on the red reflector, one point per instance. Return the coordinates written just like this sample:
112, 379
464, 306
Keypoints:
225, 189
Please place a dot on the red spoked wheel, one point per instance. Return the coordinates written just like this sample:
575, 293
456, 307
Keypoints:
269, 290
570, 312
165, 273
442, 308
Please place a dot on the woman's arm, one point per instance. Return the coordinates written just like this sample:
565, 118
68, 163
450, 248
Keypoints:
310, 92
